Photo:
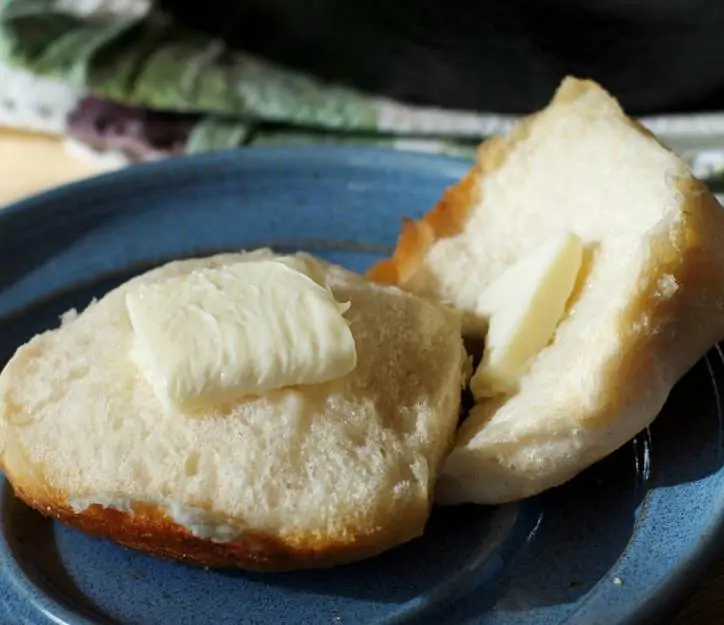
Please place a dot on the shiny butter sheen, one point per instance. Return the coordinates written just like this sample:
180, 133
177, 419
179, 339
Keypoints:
218, 334
523, 306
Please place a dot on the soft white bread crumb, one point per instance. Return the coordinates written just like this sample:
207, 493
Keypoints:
314, 467
647, 305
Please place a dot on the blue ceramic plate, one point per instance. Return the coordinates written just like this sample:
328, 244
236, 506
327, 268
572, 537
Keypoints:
614, 546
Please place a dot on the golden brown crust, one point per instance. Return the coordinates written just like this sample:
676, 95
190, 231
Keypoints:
449, 216
149, 530
446, 219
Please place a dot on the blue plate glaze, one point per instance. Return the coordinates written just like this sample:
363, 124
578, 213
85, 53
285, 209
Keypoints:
617, 545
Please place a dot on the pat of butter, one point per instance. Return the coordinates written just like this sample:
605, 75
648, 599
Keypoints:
217, 334
523, 307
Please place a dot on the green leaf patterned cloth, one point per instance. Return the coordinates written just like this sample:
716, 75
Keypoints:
148, 60
54, 52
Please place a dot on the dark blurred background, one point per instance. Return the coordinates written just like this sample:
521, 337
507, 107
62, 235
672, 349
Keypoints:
503, 55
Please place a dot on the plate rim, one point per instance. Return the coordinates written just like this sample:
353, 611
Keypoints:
657, 600
299, 157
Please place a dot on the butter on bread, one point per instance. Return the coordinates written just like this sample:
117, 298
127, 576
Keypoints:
301, 477
648, 303
218, 334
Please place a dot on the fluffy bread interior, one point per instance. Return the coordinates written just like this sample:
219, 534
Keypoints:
646, 306
348, 463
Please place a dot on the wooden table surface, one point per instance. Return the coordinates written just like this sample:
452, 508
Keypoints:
705, 603
32, 163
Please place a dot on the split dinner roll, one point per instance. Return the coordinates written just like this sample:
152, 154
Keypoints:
647, 303
300, 476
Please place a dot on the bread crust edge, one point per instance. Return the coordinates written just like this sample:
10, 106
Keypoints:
450, 215
147, 529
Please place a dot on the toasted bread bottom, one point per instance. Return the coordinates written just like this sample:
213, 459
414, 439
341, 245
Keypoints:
149, 530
